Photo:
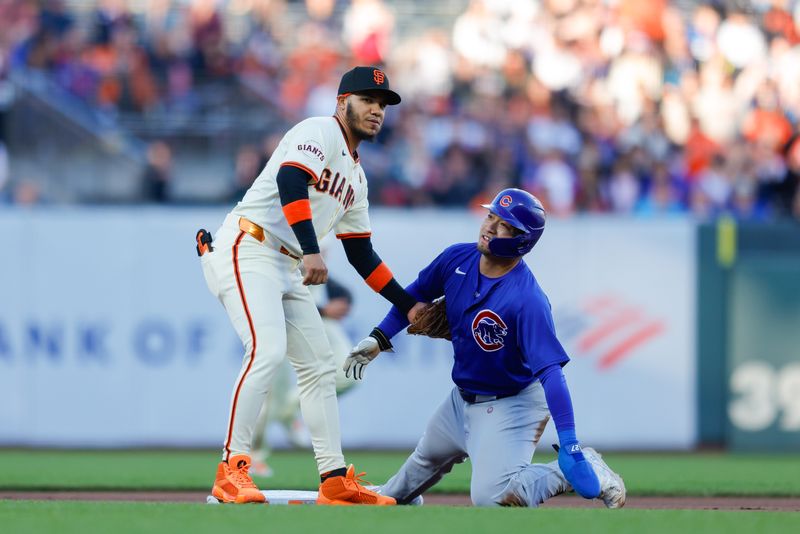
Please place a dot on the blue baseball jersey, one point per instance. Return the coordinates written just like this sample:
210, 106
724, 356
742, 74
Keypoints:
502, 328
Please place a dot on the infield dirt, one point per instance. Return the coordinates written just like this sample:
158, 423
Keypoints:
774, 504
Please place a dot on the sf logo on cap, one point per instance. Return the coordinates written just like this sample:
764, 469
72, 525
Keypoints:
378, 76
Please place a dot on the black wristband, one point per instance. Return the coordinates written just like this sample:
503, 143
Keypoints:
361, 255
304, 232
383, 341
394, 293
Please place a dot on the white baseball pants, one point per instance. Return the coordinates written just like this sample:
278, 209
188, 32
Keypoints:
275, 317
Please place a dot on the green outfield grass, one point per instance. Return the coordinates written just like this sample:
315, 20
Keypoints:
121, 518
645, 474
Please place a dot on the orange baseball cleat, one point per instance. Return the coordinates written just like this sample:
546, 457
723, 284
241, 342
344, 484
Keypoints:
233, 483
347, 490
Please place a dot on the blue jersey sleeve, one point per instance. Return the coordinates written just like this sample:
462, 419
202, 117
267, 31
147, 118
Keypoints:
428, 286
558, 398
537, 334
396, 320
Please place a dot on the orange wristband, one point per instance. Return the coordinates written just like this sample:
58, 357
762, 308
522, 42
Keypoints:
379, 277
299, 210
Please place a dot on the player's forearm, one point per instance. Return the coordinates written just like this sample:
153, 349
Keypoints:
293, 192
396, 320
376, 273
559, 401
571, 461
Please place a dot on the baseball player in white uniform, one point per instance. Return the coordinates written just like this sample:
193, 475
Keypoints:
266, 254
282, 404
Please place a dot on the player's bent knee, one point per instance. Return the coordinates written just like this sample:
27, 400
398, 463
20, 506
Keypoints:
483, 499
262, 370
320, 377
488, 490
309, 367
484, 496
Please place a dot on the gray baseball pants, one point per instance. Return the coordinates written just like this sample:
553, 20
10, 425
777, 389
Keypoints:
499, 437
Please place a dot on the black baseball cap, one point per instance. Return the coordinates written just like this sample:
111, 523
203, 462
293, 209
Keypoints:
367, 79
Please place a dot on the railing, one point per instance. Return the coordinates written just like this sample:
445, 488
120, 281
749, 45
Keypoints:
71, 151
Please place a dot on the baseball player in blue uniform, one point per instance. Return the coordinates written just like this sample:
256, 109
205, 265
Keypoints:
507, 372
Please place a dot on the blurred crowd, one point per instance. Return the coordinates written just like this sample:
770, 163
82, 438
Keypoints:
600, 106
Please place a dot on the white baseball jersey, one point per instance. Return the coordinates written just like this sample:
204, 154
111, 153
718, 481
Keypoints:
339, 197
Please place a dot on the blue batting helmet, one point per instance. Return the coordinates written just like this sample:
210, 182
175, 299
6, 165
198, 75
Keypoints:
524, 212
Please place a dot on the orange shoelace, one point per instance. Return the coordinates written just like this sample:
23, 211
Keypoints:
242, 478
359, 479
361, 483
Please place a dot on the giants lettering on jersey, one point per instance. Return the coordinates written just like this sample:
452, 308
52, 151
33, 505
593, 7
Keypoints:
488, 329
335, 187
312, 149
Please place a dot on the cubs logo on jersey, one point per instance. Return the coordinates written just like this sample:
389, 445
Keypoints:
489, 330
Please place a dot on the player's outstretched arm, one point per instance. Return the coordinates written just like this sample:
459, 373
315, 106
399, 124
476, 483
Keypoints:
379, 340
577, 470
368, 264
426, 287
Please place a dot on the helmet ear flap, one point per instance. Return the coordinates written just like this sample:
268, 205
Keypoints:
512, 247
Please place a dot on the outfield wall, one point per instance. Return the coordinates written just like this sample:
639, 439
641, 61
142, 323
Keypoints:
109, 338
748, 312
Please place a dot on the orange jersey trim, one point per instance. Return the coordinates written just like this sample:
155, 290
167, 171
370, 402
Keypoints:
252, 351
314, 177
354, 235
299, 210
378, 278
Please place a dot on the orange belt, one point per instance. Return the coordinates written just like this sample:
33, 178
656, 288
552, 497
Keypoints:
257, 232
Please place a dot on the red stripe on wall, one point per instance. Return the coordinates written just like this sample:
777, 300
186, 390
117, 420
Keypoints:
600, 304
637, 338
606, 328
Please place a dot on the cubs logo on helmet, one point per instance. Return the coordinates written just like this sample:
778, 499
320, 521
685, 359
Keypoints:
489, 330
